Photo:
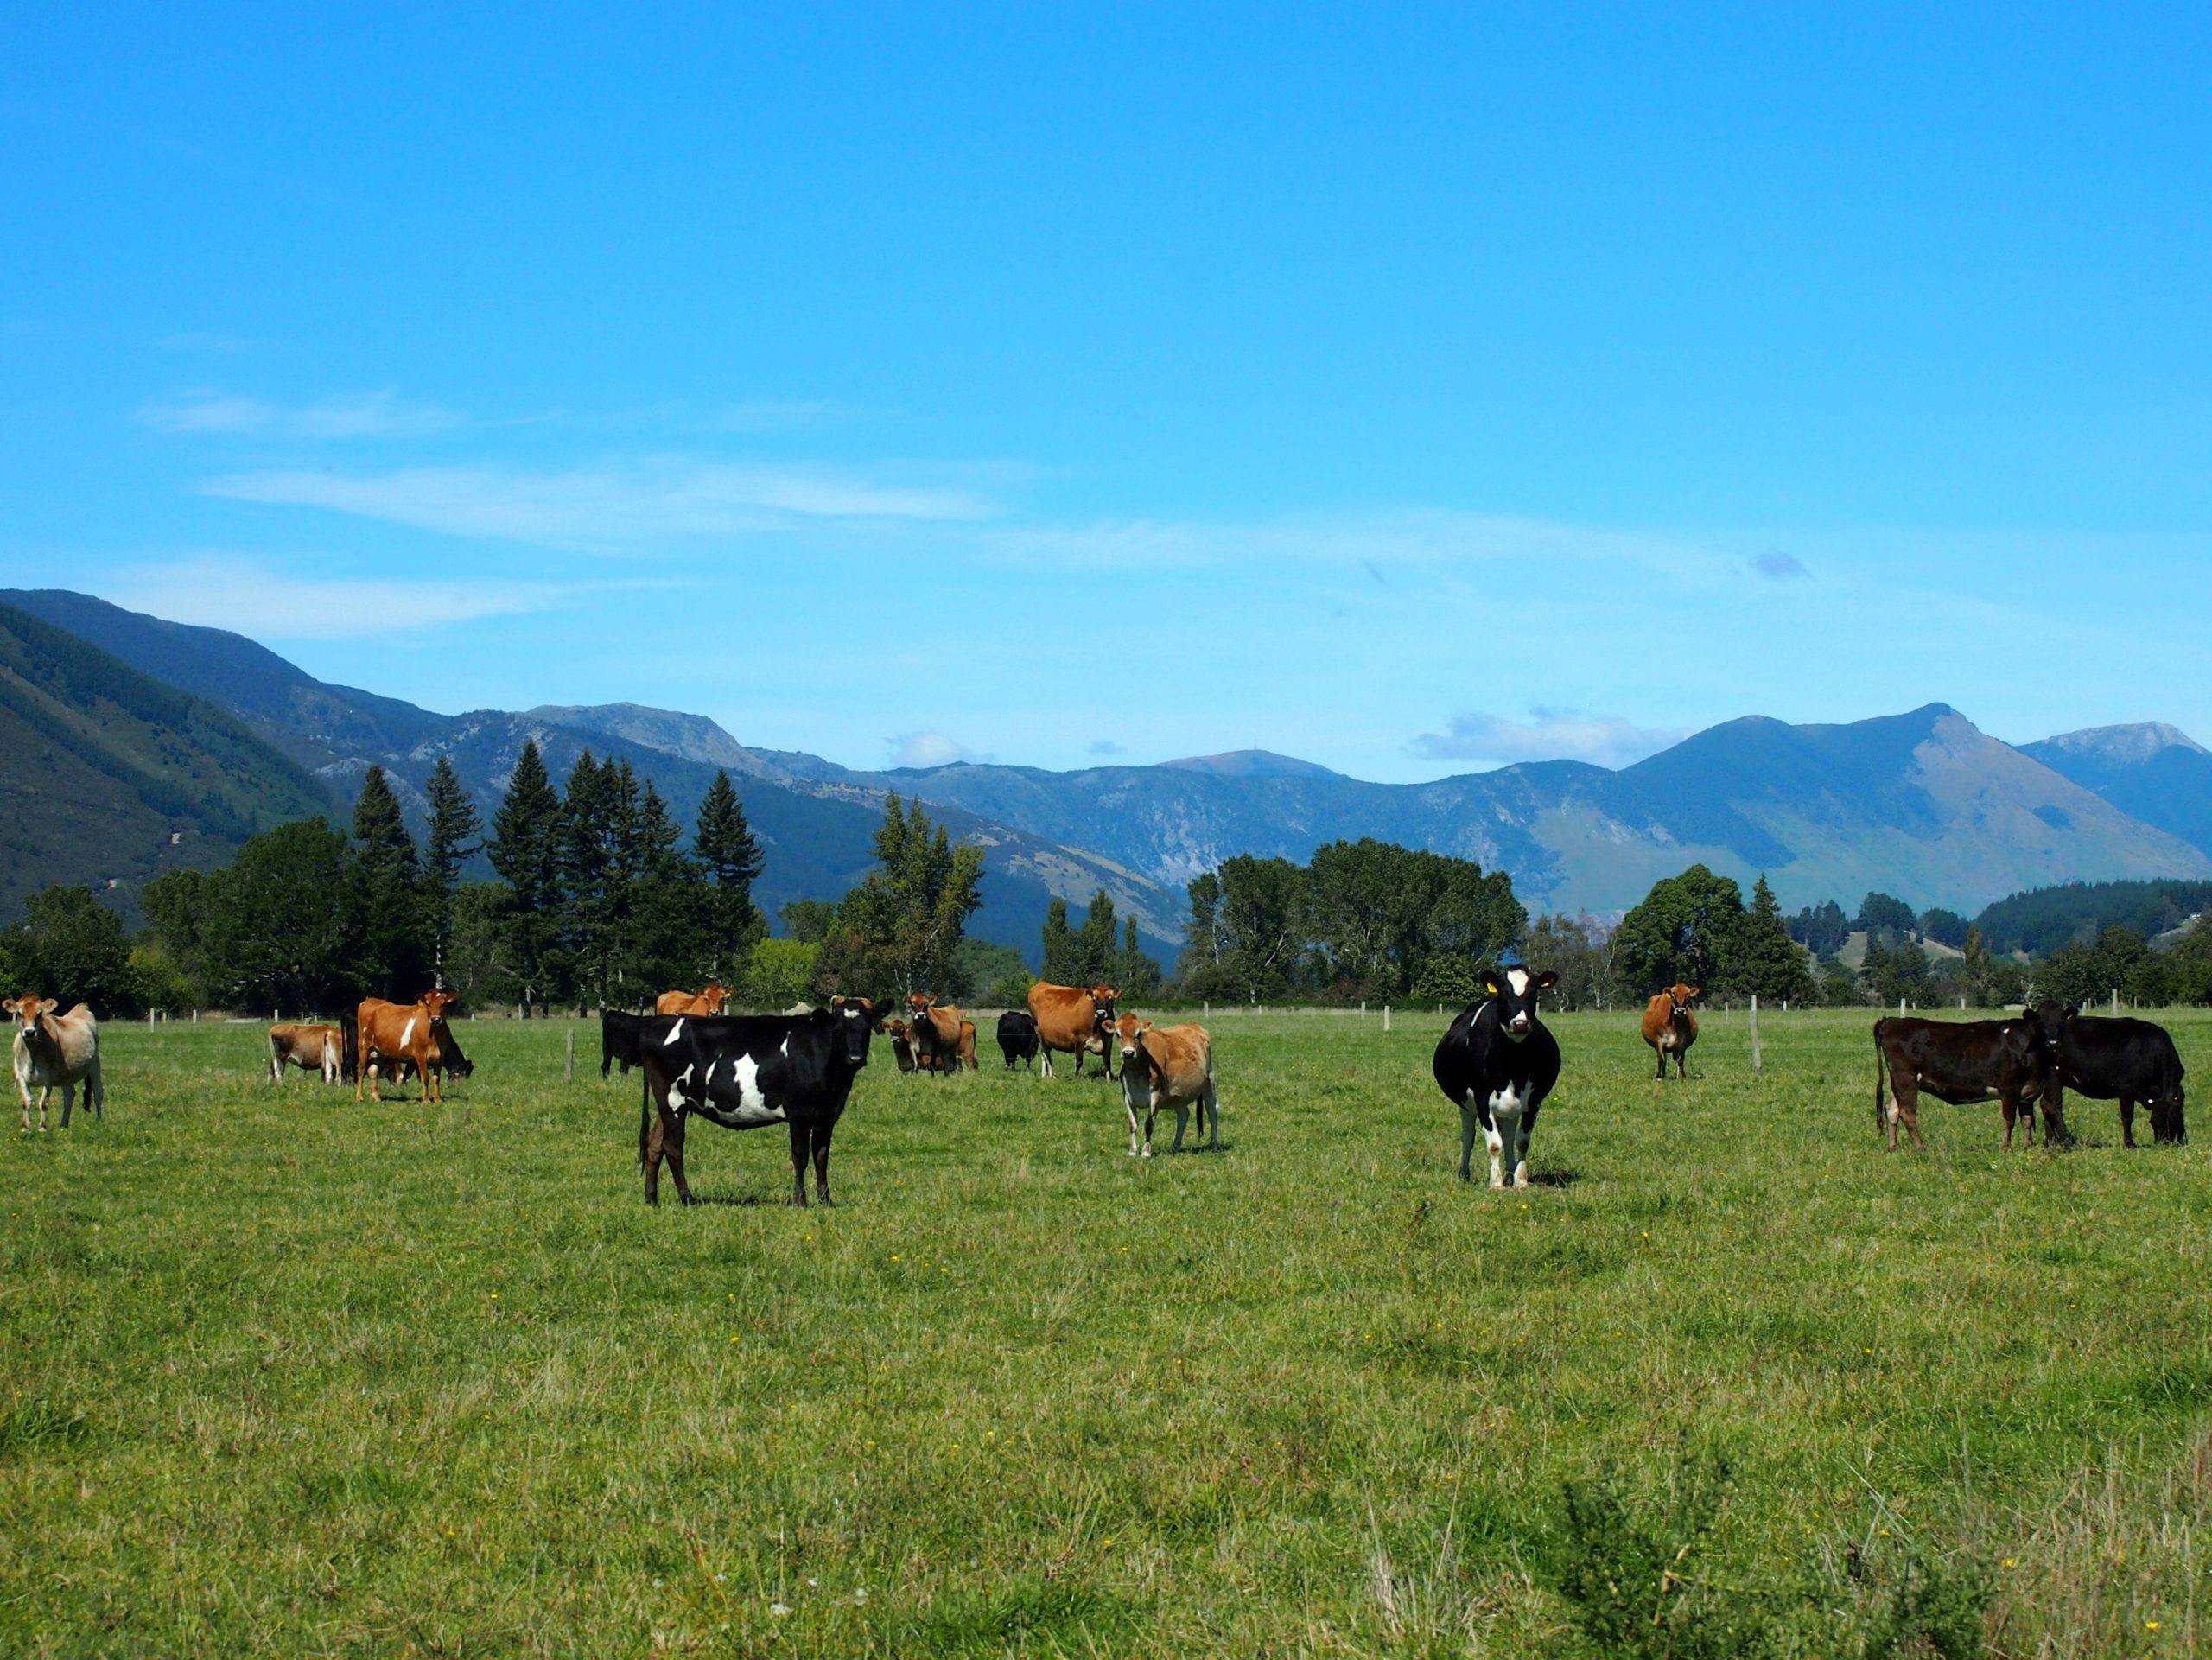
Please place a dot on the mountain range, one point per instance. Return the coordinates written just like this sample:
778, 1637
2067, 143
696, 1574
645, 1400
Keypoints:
1922, 805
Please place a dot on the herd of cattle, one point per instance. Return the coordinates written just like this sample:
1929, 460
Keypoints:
1496, 1064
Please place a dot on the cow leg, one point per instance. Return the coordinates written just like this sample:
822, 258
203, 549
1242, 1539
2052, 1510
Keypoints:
2010, 1109
1467, 1129
1212, 1107
672, 1148
22, 1084
822, 1163
68, 1099
1182, 1111
2127, 1120
1661, 1053
799, 1138
1904, 1109
1129, 1103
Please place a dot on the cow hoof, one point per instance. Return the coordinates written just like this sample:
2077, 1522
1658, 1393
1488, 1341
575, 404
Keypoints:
1521, 1180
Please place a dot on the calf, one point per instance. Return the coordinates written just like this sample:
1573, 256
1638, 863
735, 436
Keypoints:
617, 1041
745, 1070
310, 1049
54, 1050
902, 1047
1960, 1061
706, 1002
1018, 1038
1498, 1063
2127, 1060
386, 1030
1072, 1022
1670, 1028
1170, 1068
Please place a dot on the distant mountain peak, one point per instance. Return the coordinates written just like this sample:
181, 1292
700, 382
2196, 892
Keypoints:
693, 737
1251, 763
2122, 745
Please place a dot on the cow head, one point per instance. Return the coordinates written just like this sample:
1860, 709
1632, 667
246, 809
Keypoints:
894, 1029
1681, 997
27, 1007
919, 1002
1131, 1031
855, 1018
435, 1003
714, 997
1515, 993
2168, 1126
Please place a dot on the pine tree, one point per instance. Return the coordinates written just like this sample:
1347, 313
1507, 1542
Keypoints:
1095, 942
1764, 960
1062, 964
454, 827
524, 850
896, 931
668, 911
1134, 974
385, 884
726, 845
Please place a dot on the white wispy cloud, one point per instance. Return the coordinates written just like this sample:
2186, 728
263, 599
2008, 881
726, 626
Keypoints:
365, 415
1549, 733
927, 749
607, 507
1780, 567
225, 591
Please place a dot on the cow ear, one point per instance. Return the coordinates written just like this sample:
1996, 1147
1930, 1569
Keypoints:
1546, 979
48, 1006
1491, 985
1697, 991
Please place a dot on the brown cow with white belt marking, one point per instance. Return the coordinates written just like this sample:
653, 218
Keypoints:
397, 1030
310, 1049
56, 1049
1073, 1021
706, 1002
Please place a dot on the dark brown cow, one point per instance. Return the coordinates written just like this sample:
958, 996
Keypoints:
391, 1031
706, 1002
1670, 1028
1073, 1021
1959, 1061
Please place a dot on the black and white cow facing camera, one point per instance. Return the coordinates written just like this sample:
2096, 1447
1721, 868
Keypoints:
1496, 1064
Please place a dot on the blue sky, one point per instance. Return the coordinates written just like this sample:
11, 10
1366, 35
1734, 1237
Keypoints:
1414, 392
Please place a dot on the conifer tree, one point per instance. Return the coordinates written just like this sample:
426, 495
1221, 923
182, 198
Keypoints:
1063, 965
385, 876
454, 827
524, 850
731, 854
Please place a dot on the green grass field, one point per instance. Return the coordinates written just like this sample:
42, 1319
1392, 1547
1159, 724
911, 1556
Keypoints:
280, 1374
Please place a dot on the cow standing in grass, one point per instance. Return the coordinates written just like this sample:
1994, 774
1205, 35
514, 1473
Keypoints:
1670, 1028
1018, 1038
707, 1001
1498, 1063
935, 1032
310, 1049
1167, 1069
56, 1050
2124, 1060
1074, 1021
1959, 1061
388, 1030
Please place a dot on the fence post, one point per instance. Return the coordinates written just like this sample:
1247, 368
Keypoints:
1386, 1017
571, 1047
1363, 1008
1758, 1062
1208, 1005
1900, 1005
2115, 1000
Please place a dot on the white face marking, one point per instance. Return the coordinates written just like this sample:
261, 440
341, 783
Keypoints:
407, 1032
1518, 979
674, 1032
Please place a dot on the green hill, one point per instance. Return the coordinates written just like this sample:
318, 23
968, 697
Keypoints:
108, 778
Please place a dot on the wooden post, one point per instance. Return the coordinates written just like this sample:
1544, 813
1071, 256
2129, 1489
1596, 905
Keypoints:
1209, 1006
1758, 1062
1386, 1017
1363, 1008
1900, 1005
2115, 1000
571, 1047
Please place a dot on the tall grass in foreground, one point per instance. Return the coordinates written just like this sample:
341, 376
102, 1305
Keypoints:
281, 1374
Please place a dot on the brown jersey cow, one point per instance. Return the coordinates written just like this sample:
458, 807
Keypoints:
935, 1033
708, 1001
1670, 1028
1167, 1069
56, 1049
392, 1031
1073, 1021
310, 1049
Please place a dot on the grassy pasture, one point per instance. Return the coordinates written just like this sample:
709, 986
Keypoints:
280, 1374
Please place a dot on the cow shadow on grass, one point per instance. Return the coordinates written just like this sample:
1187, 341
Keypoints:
1554, 1178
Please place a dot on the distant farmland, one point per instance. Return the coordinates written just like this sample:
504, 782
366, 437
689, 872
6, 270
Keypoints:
279, 1373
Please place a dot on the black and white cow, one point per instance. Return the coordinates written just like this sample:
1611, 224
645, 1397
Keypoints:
1498, 1063
1018, 1038
2123, 1060
746, 1070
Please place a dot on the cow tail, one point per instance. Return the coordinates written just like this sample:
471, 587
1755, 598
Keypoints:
644, 1115
1879, 1062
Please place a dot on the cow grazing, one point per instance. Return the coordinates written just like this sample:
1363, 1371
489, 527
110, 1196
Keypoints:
617, 1041
1962, 1061
1073, 1021
1018, 1038
386, 1032
1498, 1063
708, 1001
54, 1051
935, 1032
745, 1070
1670, 1028
310, 1049
1167, 1069
2124, 1060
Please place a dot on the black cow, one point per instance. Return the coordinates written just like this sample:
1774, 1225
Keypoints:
2125, 1060
617, 1041
1496, 1064
744, 1071
1018, 1037
1960, 1061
